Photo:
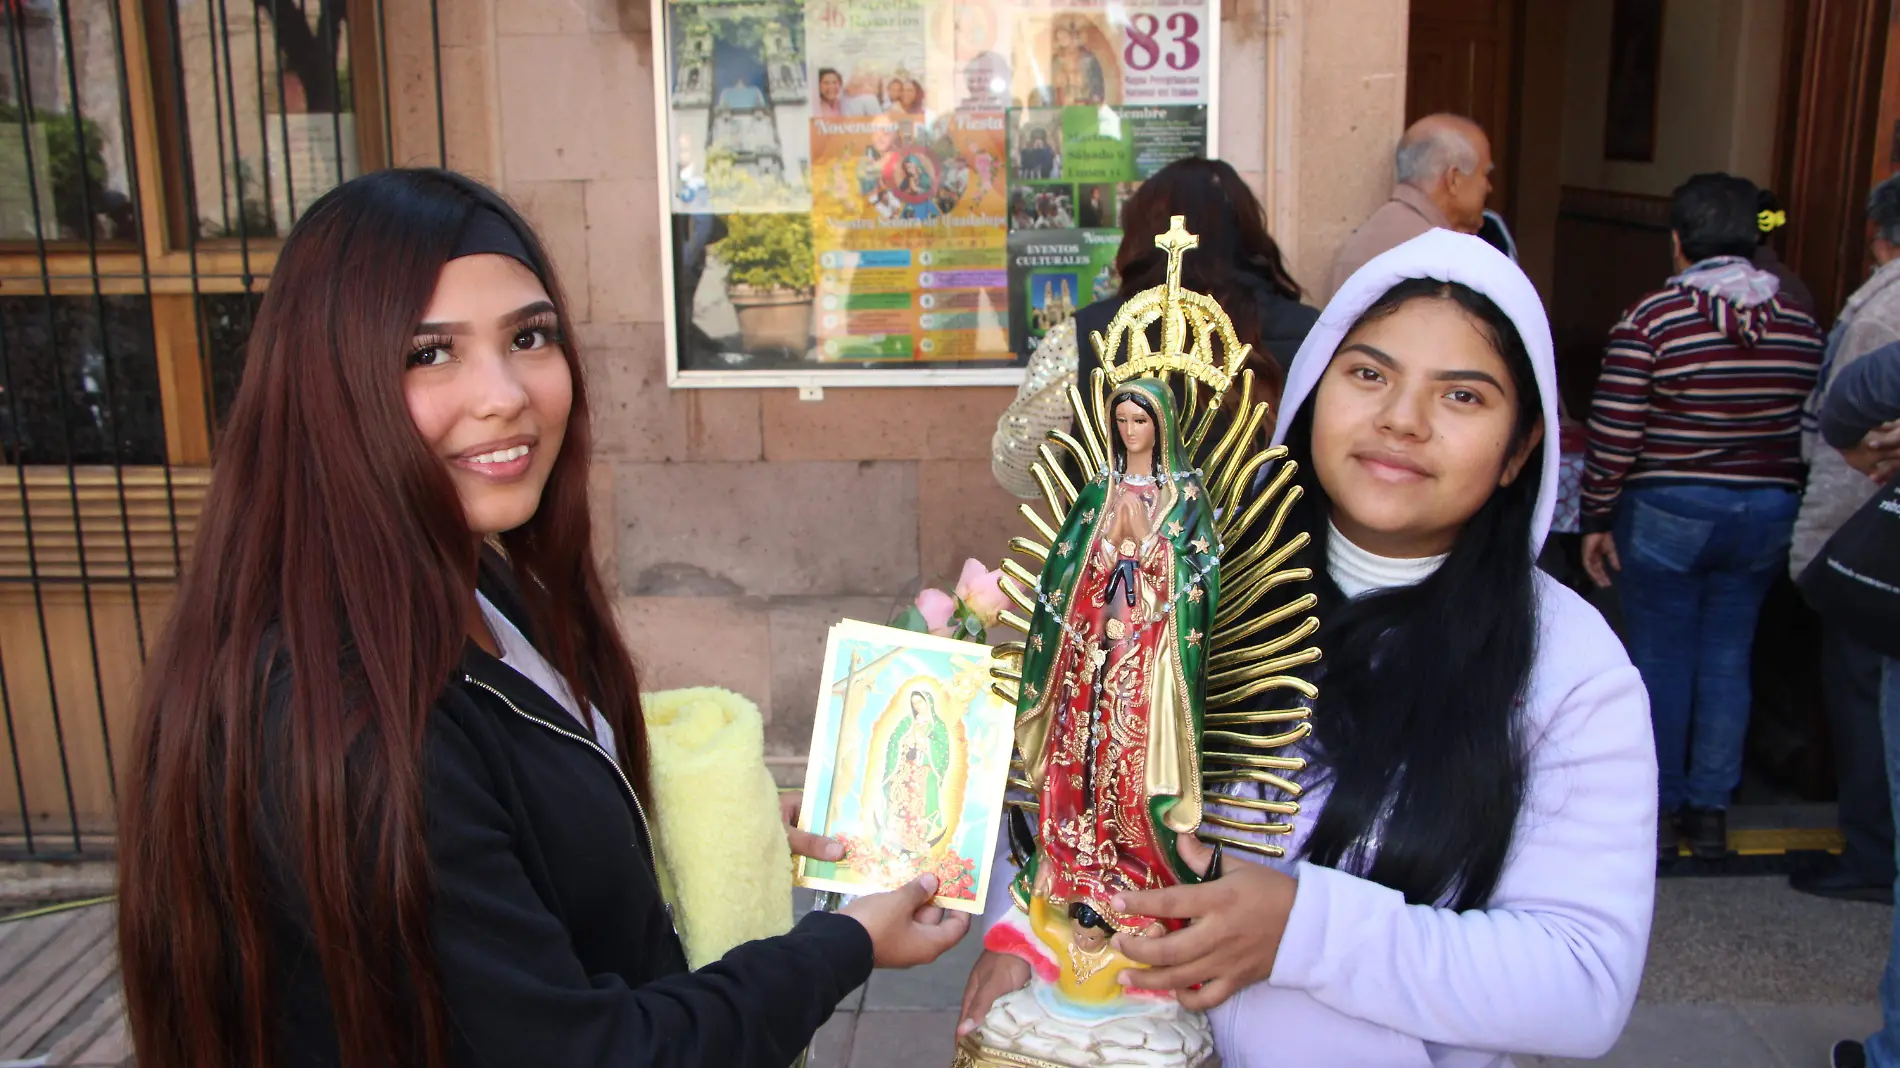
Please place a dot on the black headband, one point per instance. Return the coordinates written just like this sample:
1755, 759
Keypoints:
487, 232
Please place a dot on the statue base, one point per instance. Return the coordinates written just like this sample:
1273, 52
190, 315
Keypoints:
1024, 1029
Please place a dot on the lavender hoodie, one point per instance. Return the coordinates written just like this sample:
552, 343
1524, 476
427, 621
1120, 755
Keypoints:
1552, 965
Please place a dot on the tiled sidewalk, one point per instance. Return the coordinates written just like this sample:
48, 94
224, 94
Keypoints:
1743, 973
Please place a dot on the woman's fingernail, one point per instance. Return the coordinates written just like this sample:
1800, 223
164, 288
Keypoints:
1118, 904
930, 882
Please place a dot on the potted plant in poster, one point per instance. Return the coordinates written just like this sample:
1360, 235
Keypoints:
768, 262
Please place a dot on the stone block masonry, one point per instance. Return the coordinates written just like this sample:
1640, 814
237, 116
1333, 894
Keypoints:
735, 525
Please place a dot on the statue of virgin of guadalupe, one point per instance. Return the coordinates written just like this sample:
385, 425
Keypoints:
1130, 586
1145, 686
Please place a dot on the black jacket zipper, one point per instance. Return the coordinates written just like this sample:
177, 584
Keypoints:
653, 858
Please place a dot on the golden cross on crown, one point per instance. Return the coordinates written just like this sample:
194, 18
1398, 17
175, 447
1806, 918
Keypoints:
1175, 242
1192, 324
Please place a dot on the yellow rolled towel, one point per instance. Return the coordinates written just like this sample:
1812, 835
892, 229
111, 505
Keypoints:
720, 840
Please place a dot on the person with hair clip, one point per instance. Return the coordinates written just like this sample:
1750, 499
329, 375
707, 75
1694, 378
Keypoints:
387, 802
1469, 873
1691, 491
1237, 263
1769, 219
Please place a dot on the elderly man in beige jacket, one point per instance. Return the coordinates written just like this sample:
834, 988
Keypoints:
1443, 166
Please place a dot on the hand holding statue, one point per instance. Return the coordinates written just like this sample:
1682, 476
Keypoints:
1233, 934
994, 975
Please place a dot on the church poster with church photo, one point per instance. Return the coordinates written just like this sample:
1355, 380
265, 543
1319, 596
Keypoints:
909, 760
739, 104
847, 178
1072, 170
1052, 274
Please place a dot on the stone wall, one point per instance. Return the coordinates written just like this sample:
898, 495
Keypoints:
736, 525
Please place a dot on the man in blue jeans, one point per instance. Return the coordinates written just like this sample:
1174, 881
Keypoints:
1691, 488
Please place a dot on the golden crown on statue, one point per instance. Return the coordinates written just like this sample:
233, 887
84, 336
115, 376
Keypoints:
1191, 324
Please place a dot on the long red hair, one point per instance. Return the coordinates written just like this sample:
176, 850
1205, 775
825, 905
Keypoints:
328, 580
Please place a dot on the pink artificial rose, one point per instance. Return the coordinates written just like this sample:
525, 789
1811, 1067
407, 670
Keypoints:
982, 591
936, 607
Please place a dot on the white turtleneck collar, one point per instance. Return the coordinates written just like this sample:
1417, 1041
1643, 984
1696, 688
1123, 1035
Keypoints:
1357, 572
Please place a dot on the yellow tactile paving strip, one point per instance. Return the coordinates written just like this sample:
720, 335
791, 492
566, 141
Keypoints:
1775, 841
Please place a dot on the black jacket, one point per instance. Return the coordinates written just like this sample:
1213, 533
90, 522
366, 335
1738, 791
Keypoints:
554, 946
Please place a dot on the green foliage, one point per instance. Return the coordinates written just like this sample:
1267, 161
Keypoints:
729, 182
72, 180
965, 624
768, 251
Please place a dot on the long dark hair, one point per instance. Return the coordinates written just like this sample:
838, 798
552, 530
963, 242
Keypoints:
1417, 726
1236, 258
278, 754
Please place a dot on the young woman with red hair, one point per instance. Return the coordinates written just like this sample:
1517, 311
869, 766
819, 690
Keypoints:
387, 800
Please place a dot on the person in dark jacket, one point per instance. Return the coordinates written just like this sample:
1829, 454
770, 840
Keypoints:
1237, 262
387, 801
1862, 415
1861, 419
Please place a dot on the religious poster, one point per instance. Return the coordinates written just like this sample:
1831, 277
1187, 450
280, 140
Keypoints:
1054, 273
1073, 167
1071, 173
909, 758
739, 105
907, 225
1067, 57
970, 55
867, 57
847, 175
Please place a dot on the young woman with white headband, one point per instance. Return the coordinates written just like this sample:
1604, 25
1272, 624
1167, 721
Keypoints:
1470, 874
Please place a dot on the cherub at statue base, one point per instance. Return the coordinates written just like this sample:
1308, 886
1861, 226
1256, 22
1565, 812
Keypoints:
1035, 1028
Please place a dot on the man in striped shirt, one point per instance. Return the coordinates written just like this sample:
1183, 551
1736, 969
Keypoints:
1692, 486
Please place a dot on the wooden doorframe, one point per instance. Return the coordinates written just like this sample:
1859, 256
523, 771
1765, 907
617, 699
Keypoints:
1501, 22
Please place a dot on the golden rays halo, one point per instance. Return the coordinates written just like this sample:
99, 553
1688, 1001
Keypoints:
1263, 622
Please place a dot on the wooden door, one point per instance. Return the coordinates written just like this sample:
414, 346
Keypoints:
1461, 58
1833, 143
